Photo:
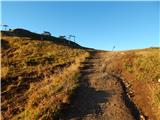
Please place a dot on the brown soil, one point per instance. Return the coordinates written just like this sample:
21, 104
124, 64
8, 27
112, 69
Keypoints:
102, 95
141, 90
140, 93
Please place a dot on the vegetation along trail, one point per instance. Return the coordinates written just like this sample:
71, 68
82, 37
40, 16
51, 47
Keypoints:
102, 95
55, 80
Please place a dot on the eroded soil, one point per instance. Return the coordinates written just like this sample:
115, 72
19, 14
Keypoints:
102, 95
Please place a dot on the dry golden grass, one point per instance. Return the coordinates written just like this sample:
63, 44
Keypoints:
47, 97
141, 69
146, 68
38, 77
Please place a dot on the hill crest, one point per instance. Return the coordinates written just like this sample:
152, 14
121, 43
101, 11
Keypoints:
19, 32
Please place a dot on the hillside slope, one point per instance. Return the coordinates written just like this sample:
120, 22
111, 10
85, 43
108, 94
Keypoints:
37, 76
140, 71
44, 77
102, 96
122, 85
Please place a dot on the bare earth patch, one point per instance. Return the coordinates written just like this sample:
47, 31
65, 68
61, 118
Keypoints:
102, 96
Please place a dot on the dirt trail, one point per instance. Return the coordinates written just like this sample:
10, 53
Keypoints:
102, 96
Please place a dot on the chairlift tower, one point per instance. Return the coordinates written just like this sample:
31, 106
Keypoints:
72, 36
5, 27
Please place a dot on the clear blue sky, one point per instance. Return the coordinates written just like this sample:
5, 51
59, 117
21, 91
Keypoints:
101, 25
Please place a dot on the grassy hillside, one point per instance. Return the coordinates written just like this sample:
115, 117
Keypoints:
37, 76
140, 69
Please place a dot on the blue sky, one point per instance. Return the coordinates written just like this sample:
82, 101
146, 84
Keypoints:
101, 25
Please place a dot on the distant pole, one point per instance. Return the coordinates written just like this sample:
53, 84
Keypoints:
69, 37
113, 48
72, 36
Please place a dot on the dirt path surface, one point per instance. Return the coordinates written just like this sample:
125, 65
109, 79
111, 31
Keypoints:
102, 96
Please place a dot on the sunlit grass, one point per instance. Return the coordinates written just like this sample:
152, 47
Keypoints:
145, 66
38, 77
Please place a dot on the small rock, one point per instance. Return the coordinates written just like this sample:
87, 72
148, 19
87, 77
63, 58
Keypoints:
142, 117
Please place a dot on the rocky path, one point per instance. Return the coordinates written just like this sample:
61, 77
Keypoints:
101, 96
